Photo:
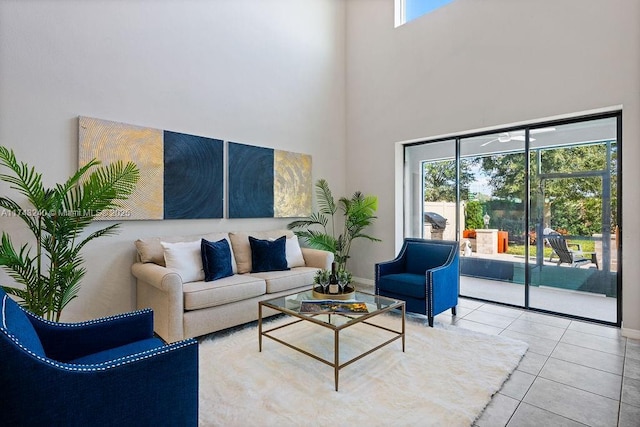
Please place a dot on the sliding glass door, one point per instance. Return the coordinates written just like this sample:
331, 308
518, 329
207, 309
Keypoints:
494, 215
535, 210
573, 221
430, 189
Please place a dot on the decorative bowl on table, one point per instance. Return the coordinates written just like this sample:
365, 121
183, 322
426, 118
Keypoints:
348, 293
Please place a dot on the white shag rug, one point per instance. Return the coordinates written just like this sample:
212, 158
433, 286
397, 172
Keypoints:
445, 377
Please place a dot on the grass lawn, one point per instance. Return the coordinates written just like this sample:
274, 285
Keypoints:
587, 246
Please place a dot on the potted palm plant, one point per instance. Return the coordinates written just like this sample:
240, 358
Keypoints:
50, 269
320, 230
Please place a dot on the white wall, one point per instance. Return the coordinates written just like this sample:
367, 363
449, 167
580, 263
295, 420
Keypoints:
272, 73
480, 63
267, 73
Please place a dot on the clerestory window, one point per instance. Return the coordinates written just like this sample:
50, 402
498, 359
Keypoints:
408, 10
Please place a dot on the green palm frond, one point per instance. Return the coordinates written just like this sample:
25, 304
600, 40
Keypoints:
21, 267
316, 218
326, 203
57, 218
358, 212
15, 209
322, 241
107, 231
24, 179
108, 185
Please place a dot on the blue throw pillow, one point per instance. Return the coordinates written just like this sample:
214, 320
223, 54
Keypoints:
268, 255
216, 259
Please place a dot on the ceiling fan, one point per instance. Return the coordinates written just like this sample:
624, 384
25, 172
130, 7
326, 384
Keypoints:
517, 135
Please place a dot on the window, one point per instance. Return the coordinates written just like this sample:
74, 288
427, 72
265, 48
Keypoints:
511, 196
408, 10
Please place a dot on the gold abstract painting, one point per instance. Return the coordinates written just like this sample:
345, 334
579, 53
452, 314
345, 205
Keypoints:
182, 176
292, 184
110, 141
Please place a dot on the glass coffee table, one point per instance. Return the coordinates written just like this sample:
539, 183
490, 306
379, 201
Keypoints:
336, 315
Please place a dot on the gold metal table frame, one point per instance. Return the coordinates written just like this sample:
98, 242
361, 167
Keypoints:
377, 305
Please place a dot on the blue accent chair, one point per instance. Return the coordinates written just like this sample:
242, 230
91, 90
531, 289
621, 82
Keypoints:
425, 274
104, 372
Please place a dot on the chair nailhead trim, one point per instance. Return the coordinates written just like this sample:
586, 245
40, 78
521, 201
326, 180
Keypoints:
89, 322
4, 317
104, 366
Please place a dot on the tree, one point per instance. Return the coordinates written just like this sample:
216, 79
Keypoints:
506, 174
473, 215
575, 202
440, 180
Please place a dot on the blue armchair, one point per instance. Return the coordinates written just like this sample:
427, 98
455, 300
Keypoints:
425, 274
109, 371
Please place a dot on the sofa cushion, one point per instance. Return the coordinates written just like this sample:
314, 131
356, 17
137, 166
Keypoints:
150, 248
222, 291
185, 259
216, 259
268, 255
294, 253
242, 248
278, 281
17, 322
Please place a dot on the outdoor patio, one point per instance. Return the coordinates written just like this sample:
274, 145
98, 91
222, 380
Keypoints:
556, 296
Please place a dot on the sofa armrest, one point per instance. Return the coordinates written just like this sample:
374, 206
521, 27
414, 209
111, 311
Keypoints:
443, 285
317, 258
160, 289
394, 266
157, 275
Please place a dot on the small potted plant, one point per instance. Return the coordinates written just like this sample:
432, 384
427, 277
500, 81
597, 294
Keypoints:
322, 278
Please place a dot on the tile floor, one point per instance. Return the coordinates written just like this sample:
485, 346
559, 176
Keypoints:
574, 373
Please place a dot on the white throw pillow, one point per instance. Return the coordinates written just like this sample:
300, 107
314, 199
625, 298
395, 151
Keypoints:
294, 253
185, 259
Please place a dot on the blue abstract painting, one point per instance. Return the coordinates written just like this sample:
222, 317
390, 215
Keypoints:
193, 176
183, 176
251, 181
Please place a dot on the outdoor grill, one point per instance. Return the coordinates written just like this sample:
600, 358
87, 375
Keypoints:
437, 221
438, 224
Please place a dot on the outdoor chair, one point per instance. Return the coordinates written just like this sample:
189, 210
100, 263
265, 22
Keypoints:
560, 246
109, 371
425, 275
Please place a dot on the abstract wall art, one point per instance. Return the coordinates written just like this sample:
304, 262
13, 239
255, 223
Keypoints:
193, 176
182, 176
268, 183
293, 184
111, 141
250, 181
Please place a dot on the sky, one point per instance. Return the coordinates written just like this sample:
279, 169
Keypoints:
416, 8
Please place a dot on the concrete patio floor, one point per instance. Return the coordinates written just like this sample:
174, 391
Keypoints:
575, 303
563, 301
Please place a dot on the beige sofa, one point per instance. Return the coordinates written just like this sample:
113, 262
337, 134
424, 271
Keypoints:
171, 282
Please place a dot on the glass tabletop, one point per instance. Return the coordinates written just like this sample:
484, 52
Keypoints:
296, 304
